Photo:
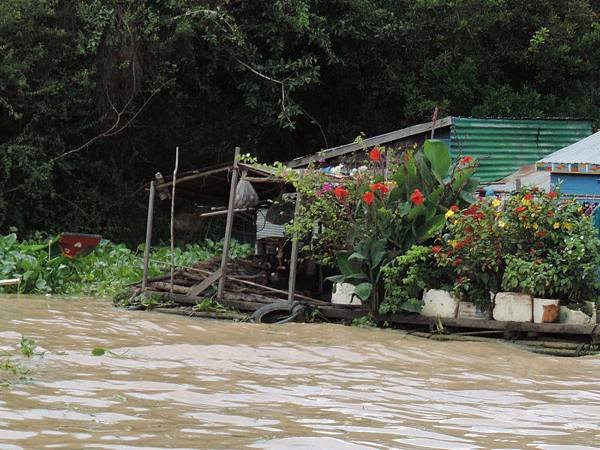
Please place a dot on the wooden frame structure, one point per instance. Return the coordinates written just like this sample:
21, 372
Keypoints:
258, 176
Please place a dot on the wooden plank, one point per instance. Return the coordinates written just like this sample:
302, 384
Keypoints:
229, 223
194, 176
10, 282
206, 283
223, 212
375, 140
149, 221
410, 319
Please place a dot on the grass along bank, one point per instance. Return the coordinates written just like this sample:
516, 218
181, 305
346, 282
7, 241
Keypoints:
104, 272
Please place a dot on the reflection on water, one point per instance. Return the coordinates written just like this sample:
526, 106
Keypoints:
175, 382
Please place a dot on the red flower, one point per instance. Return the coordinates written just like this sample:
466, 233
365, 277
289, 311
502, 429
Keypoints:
436, 249
375, 154
520, 209
542, 234
466, 160
379, 187
417, 197
341, 193
552, 194
368, 197
457, 262
454, 208
528, 197
550, 213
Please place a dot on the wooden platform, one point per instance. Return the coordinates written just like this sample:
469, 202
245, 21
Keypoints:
351, 312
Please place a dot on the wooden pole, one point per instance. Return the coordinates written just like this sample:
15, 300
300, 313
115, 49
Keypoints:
433, 120
294, 256
148, 234
229, 224
173, 217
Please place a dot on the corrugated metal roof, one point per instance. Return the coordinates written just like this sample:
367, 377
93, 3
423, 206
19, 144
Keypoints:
369, 142
502, 146
586, 151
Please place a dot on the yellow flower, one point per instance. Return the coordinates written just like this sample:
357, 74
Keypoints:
526, 202
556, 225
535, 226
567, 226
501, 224
496, 203
453, 243
449, 214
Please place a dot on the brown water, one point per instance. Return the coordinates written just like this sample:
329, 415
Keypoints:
185, 383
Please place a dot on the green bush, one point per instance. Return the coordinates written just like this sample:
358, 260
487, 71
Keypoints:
407, 276
104, 272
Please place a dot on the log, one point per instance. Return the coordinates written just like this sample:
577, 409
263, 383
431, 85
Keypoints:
163, 286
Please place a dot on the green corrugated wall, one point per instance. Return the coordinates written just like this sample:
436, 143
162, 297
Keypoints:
502, 146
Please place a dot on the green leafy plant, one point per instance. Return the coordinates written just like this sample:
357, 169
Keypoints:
104, 272
407, 276
27, 346
533, 242
393, 216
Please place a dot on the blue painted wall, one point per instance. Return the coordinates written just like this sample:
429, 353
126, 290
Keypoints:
577, 183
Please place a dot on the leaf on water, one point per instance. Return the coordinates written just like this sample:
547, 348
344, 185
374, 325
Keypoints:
98, 351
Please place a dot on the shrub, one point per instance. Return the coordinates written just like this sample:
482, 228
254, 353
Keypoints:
407, 276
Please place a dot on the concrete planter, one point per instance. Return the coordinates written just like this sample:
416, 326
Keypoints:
438, 303
468, 310
545, 310
575, 317
513, 307
343, 294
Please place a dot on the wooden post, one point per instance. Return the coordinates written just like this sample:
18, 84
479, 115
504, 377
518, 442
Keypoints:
294, 256
433, 120
229, 224
173, 217
148, 235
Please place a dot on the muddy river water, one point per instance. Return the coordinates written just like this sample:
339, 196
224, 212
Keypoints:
177, 382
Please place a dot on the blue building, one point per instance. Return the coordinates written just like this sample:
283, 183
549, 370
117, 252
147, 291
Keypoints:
576, 168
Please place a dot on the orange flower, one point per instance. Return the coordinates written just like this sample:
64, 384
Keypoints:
436, 249
375, 154
379, 187
528, 197
417, 197
341, 193
368, 197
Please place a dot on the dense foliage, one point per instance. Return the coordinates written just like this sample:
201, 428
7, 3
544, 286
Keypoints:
104, 272
387, 208
95, 94
533, 242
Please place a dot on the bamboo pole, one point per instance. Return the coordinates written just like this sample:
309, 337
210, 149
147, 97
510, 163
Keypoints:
173, 217
148, 234
229, 224
294, 256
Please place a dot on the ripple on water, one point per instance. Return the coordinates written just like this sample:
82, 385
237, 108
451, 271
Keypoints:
174, 382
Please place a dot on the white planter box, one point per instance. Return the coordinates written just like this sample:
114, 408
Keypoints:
574, 317
468, 310
545, 310
438, 303
343, 294
513, 307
